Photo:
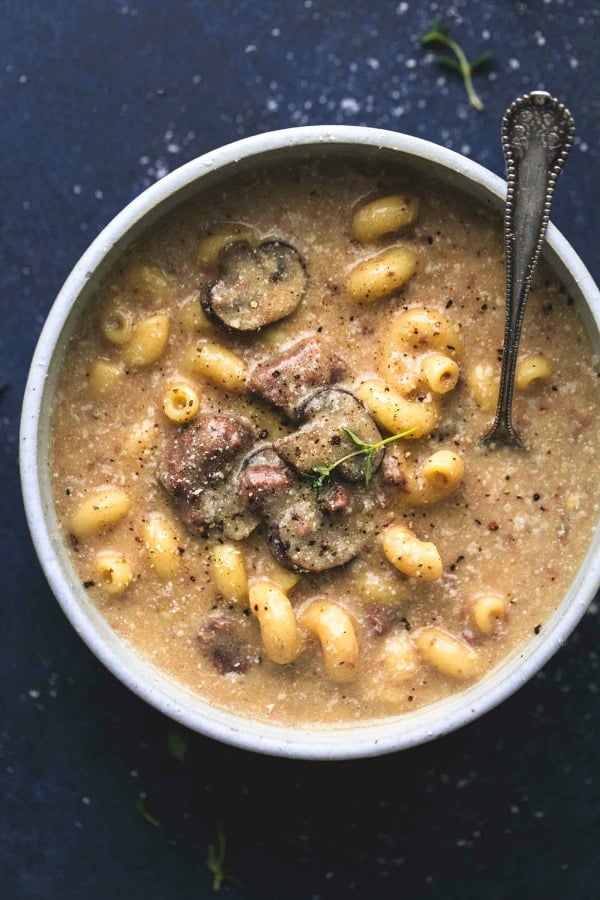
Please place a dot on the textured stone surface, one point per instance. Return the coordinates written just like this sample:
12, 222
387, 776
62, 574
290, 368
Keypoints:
98, 101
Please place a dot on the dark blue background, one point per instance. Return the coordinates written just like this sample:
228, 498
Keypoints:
98, 101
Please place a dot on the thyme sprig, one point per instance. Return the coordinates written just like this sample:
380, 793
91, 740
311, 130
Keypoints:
441, 34
320, 473
215, 860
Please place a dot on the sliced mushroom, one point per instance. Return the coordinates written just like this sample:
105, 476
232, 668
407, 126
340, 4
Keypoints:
306, 532
285, 379
310, 534
256, 286
199, 471
321, 440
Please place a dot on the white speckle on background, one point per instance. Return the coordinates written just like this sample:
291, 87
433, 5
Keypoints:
23, 79
372, 62
514, 64
76, 188
250, 48
402, 8
349, 105
410, 63
539, 38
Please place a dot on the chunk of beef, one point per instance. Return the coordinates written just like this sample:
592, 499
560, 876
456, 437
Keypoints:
321, 440
256, 286
226, 641
263, 476
286, 378
199, 471
393, 471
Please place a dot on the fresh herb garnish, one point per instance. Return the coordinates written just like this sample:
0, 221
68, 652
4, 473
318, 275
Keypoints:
319, 474
177, 745
215, 860
440, 34
141, 807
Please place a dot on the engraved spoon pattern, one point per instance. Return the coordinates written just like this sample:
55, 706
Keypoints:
537, 135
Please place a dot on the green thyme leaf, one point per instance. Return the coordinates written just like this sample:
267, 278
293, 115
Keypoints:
320, 473
441, 35
141, 807
215, 860
177, 745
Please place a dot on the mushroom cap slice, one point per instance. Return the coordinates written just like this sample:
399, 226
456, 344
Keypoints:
321, 439
307, 534
256, 286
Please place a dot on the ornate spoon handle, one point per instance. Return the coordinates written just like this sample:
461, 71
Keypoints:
537, 134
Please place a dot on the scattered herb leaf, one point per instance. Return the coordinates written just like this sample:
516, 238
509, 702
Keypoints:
141, 807
177, 746
440, 34
215, 860
320, 473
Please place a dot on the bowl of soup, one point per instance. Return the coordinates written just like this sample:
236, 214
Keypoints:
252, 448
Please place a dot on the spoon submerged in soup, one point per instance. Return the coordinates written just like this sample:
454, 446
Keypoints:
537, 135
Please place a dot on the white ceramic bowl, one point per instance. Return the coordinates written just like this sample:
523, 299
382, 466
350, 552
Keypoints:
328, 743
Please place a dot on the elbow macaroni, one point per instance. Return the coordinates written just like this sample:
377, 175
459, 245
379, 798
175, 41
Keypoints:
396, 413
218, 365
277, 620
411, 556
148, 341
116, 322
162, 546
531, 370
384, 215
420, 347
150, 283
487, 610
114, 571
439, 372
211, 245
181, 402
334, 628
191, 317
105, 377
381, 275
450, 655
228, 571
100, 510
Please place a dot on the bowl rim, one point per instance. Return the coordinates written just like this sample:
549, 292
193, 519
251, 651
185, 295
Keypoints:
319, 743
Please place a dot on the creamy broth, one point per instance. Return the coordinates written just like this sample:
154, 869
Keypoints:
515, 528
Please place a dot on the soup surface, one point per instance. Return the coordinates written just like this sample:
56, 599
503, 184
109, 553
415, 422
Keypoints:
267, 453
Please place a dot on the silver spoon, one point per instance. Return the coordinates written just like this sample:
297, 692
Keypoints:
537, 134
